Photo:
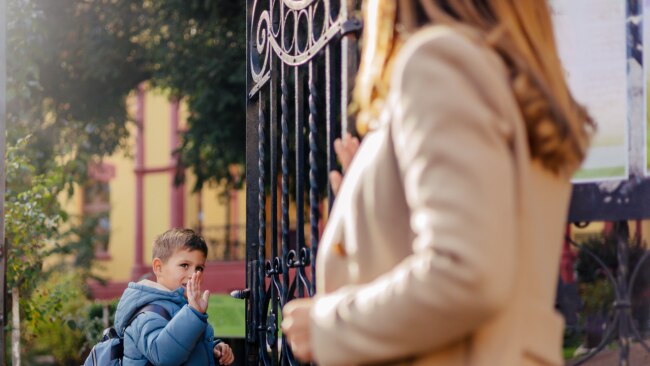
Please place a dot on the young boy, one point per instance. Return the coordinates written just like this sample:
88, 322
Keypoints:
179, 257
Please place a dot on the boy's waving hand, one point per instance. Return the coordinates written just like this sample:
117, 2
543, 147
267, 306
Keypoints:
194, 298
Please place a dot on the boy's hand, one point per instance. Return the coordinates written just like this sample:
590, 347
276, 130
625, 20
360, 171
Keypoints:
194, 298
223, 353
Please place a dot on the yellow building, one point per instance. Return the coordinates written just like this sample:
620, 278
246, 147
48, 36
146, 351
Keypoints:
133, 196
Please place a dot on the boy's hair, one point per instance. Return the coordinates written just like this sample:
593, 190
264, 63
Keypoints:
166, 243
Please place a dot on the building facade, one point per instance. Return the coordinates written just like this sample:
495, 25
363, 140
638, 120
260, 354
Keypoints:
133, 197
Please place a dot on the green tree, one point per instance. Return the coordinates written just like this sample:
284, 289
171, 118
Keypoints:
71, 65
75, 61
198, 50
32, 216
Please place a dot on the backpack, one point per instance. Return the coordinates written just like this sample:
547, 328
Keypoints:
110, 349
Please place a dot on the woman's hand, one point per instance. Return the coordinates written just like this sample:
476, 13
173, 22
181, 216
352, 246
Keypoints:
296, 327
194, 298
223, 353
345, 149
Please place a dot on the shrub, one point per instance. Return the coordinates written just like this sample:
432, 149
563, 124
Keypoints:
55, 327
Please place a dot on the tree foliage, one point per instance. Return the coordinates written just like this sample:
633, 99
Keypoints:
198, 51
32, 216
68, 74
72, 63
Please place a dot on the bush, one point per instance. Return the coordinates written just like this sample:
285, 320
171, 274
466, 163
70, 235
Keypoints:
95, 323
56, 325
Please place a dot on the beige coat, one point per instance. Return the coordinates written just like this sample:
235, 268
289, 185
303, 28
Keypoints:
443, 245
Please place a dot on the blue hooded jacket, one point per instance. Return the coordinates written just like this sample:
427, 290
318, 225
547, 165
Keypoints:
187, 339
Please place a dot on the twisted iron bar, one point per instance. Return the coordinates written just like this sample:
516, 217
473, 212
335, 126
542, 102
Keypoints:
285, 174
261, 235
313, 172
284, 106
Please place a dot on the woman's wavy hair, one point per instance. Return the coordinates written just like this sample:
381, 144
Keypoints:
521, 32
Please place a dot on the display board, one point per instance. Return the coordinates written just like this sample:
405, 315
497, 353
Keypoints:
601, 48
591, 39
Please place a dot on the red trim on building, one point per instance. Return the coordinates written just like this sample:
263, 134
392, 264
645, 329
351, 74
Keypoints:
177, 196
139, 269
199, 212
160, 169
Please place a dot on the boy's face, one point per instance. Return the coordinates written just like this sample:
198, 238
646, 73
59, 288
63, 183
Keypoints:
179, 268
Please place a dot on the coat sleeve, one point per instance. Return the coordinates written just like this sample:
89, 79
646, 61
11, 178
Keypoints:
457, 168
171, 342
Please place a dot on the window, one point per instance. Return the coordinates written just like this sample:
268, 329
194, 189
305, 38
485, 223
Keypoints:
97, 209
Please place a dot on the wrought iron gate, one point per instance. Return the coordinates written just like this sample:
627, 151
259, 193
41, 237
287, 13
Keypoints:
302, 59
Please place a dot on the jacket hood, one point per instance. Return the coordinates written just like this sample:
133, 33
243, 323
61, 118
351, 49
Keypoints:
142, 293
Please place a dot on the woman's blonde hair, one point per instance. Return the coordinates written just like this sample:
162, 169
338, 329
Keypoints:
521, 32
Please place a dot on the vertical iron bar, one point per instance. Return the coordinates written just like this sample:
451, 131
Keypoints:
285, 177
348, 66
300, 164
252, 174
622, 300
252, 209
330, 113
284, 93
284, 163
273, 97
261, 234
313, 173
3, 128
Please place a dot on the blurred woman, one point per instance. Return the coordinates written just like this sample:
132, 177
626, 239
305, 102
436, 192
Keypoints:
444, 243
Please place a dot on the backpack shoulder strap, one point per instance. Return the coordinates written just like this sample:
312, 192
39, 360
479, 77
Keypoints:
154, 308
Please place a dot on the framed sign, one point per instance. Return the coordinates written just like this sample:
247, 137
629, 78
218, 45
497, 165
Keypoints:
601, 49
596, 71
